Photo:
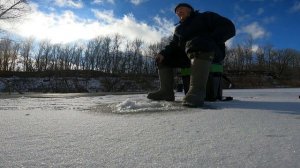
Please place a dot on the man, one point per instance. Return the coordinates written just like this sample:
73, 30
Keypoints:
199, 39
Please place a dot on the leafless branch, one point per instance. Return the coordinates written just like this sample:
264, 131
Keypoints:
13, 9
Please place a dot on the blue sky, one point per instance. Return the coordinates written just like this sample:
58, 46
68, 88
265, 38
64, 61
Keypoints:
274, 22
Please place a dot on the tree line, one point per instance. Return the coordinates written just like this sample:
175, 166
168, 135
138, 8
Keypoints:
106, 54
114, 55
264, 60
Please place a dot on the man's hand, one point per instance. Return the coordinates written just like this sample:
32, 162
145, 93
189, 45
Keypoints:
159, 58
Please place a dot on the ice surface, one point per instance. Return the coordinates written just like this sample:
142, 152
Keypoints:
259, 128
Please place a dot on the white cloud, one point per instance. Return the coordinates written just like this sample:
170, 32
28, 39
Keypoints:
132, 29
111, 1
68, 27
69, 3
106, 16
164, 25
254, 48
296, 7
103, 1
97, 1
137, 2
229, 43
255, 31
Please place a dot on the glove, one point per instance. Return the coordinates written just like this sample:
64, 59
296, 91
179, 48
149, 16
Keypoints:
203, 43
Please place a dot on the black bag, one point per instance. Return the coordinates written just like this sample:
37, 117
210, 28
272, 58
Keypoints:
214, 88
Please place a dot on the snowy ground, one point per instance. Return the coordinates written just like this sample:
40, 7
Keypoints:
260, 128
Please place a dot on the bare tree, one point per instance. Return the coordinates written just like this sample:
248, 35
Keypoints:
26, 51
116, 53
12, 9
239, 59
248, 54
8, 54
106, 53
92, 54
284, 60
14, 57
137, 63
77, 56
43, 56
150, 52
261, 60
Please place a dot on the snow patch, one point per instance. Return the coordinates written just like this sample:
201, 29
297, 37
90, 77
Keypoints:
130, 106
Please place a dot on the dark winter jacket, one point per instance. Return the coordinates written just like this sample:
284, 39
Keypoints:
205, 32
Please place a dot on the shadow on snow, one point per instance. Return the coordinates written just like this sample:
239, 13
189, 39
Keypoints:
278, 107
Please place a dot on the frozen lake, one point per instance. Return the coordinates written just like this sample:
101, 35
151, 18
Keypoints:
259, 128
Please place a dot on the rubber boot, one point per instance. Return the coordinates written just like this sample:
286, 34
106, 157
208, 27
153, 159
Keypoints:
197, 91
166, 77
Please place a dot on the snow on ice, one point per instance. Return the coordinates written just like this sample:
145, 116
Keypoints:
259, 128
130, 106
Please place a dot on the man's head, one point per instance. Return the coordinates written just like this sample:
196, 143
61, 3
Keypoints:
183, 11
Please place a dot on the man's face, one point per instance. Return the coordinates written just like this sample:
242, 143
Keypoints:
183, 12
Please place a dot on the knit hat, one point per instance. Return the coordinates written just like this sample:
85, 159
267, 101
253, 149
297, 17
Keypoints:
185, 5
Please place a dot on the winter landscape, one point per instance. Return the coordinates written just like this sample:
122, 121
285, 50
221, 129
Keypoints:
259, 128
74, 76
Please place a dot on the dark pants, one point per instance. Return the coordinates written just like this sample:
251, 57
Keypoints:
177, 60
